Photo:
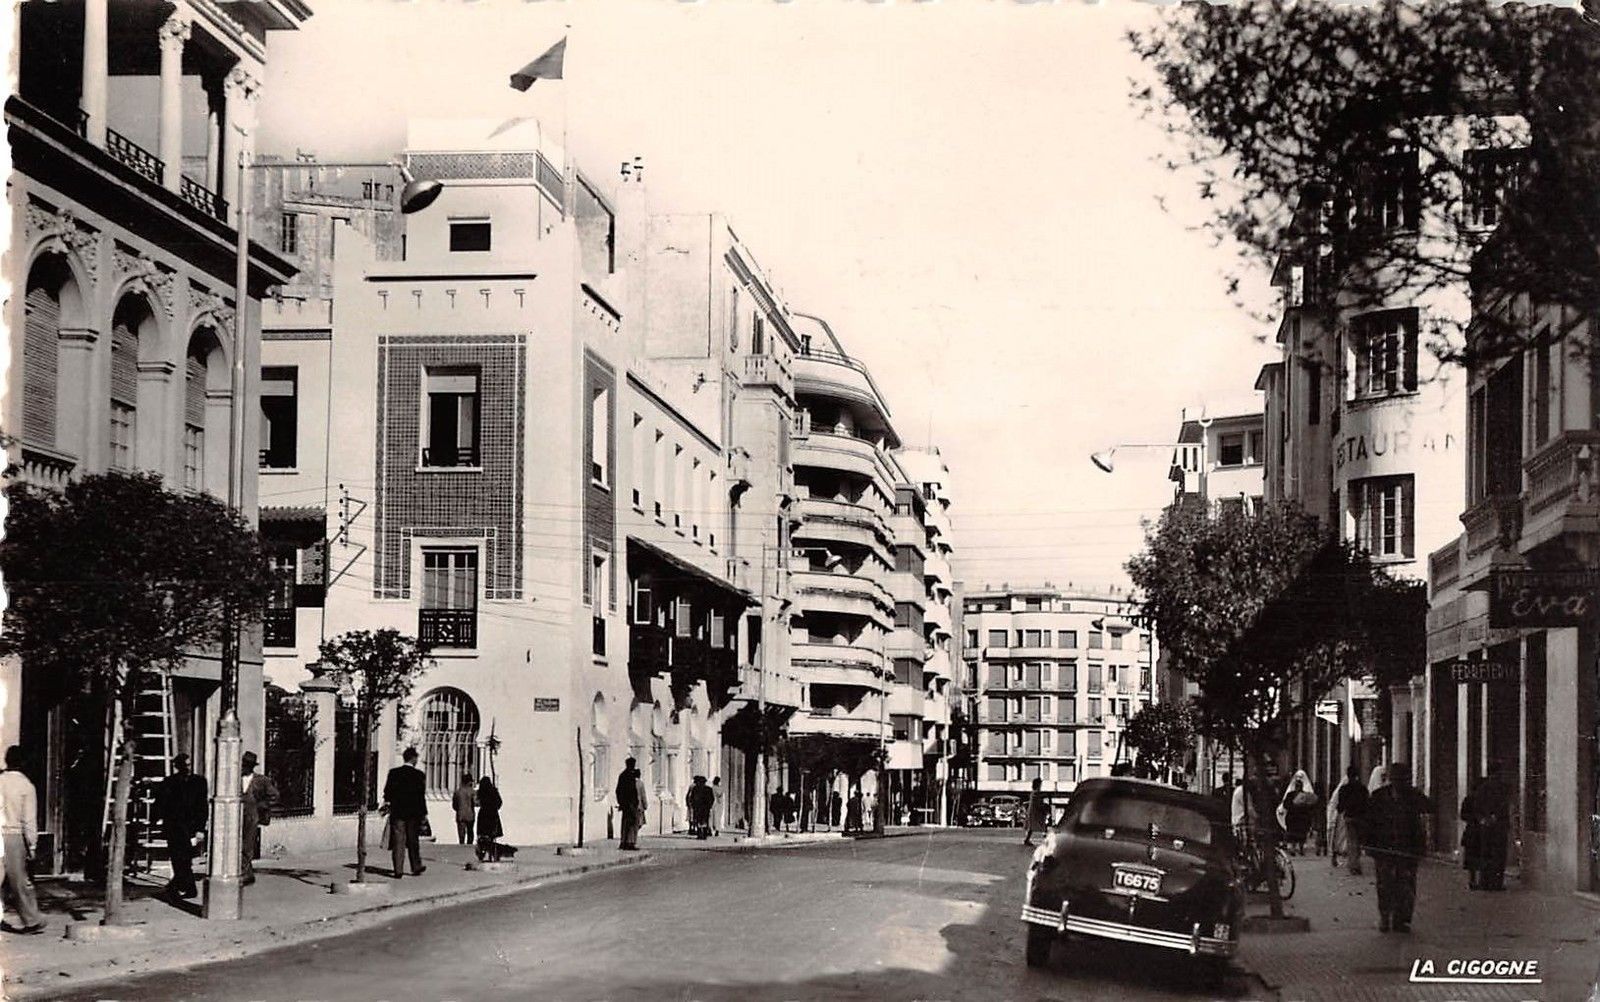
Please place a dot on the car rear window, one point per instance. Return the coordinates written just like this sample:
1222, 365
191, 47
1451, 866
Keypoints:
1127, 812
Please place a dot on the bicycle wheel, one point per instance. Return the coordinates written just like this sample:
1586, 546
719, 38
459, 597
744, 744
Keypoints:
1285, 875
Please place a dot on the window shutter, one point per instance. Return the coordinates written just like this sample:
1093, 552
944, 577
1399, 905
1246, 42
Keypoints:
1408, 511
124, 365
40, 351
194, 392
1408, 347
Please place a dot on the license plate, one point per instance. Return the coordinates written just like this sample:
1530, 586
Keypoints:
1136, 880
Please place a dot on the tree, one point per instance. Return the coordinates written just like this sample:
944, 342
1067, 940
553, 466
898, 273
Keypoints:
1267, 612
110, 580
1162, 734
1286, 115
375, 667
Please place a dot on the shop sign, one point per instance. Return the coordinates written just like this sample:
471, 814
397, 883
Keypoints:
1382, 442
544, 705
1328, 709
1467, 672
1542, 598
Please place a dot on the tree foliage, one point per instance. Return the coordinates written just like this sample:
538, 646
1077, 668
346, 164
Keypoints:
113, 578
1284, 111
1266, 612
374, 668
1162, 733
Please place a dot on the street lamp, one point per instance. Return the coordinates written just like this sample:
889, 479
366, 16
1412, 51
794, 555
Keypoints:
224, 898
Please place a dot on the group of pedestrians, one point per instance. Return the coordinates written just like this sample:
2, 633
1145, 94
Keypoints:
785, 808
477, 809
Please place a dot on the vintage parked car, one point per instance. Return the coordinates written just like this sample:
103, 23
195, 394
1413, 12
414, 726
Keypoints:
1005, 811
1138, 861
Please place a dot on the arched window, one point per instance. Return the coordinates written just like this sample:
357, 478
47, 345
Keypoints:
128, 324
40, 357
449, 740
194, 418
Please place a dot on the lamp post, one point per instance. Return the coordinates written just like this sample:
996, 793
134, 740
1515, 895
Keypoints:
224, 896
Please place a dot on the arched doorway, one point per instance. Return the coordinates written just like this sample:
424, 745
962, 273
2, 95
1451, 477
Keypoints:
448, 744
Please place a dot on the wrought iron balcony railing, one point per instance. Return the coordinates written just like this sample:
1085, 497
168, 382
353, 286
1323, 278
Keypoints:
203, 198
444, 458
453, 628
132, 154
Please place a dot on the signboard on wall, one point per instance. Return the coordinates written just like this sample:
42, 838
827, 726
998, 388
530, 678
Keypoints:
1466, 672
1328, 709
546, 705
1524, 598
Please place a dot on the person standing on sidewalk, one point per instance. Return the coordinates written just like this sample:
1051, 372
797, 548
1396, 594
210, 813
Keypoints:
490, 829
1038, 811
464, 801
700, 801
835, 808
1346, 807
181, 805
1396, 836
405, 794
631, 801
258, 798
1491, 807
716, 806
19, 807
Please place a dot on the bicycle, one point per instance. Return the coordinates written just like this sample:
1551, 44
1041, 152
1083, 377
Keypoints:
1252, 855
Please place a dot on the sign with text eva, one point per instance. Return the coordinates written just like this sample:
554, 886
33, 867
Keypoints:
1519, 598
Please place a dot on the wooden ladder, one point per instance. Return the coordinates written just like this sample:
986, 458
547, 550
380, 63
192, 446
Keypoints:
153, 747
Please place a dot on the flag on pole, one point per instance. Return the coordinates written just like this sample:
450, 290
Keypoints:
546, 67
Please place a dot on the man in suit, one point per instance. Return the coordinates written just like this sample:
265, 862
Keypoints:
257, 798
631, 801
405, 794
181, 806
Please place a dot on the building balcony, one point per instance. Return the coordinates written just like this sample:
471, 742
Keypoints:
450, 457
836, 722
906, 701
837, 376
203, 198
775, 689
1444, 566
841, 521
856, 658
848, 594
1493, 526
131, 154
41, 467
768, 370
830, 451
448, 628
1563, 488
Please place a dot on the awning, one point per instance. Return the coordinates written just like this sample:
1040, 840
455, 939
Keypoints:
688, 569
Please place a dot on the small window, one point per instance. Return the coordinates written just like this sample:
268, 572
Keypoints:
279, 417
289, 233
997, 638
600, 436
682, 618
1096, 640
450, 437
469, 235
1384, 510
1230, 450
449, 579
1386, 359
1067, 639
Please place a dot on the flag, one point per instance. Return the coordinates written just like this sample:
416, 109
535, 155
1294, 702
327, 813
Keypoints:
1354, 721
546, 67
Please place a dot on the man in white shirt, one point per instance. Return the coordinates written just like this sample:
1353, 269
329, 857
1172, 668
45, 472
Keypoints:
19, 806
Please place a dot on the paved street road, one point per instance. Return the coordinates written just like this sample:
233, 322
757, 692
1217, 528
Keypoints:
924, 917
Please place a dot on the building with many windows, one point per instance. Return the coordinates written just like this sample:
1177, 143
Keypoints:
1053, 676
123, 318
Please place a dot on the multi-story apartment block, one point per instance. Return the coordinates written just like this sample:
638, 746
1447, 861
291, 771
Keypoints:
1055, 676
1220, 461
1513, 635
123, 255
1365, 427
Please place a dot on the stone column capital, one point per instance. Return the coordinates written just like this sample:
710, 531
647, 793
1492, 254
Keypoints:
173, 33
240, 83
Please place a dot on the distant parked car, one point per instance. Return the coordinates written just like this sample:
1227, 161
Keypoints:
1141, 862
1006, 810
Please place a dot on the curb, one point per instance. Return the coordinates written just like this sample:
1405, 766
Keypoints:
159, 959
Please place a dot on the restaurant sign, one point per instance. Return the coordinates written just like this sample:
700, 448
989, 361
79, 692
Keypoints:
1542, 598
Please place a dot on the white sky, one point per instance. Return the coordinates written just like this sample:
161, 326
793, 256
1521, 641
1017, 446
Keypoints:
962, 189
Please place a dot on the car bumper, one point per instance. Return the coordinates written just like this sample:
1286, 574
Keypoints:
1193, 943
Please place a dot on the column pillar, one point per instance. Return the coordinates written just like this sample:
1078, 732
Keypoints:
96, 70
213, 177
325, 699
173, 34
238, 92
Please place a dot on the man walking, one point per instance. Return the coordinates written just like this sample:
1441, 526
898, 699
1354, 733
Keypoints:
1037, 813
257, 799
1395, 834
181, 807
1347, 805
405, 795
464, 802
19, 810
631, 801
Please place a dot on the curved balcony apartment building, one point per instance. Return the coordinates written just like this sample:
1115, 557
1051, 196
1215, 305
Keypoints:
870, 577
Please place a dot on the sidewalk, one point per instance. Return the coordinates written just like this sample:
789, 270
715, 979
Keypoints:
1345, 957
290, 903
731, 841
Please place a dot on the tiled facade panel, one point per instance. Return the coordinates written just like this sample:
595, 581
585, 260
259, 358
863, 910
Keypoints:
483, 504
599, 511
